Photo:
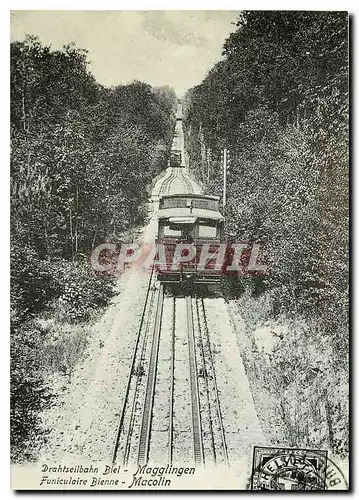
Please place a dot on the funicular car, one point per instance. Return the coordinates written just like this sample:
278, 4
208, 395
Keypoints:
189, 224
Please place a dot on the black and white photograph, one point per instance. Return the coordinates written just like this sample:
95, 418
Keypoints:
179, 245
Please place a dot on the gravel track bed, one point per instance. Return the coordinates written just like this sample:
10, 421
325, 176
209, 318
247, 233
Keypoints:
182, 422
204, 397
159, 446
128, 444
240, 420
214, 403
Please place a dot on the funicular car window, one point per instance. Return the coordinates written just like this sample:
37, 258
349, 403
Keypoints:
207, 229
171, 230
185, 202
205, 204
174, 203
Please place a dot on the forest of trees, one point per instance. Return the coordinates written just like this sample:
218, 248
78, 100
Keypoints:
278, 100
82, 158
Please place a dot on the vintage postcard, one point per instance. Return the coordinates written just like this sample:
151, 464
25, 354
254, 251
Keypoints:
179, 250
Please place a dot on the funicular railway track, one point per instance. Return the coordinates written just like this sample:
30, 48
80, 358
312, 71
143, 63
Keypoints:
207, 442
137, 385
176, 173
187, 183
145, 433
185, 371
131, 403
195, 398
172, 382
210, 392
166, 183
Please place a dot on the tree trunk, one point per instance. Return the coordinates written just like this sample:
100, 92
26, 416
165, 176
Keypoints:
71, 235
93, 240
77, 219
23, 111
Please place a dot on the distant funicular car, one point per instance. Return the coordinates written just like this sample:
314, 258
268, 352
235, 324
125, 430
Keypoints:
189, 225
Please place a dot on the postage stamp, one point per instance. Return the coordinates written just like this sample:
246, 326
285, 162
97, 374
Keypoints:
288, 469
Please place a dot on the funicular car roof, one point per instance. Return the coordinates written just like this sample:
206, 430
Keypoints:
191, 195
199, 213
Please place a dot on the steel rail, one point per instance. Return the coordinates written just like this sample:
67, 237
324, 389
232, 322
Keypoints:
196, 414
138, 381
145, 433
129, 378
166, 182
187, 183
203, 356
172, 386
